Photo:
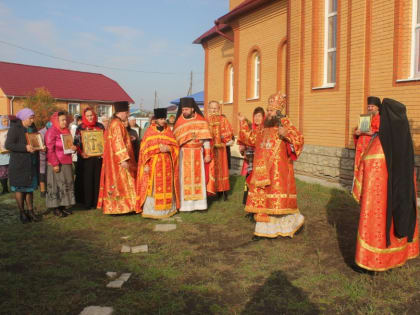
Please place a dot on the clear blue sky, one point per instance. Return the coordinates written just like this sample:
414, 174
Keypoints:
154, 36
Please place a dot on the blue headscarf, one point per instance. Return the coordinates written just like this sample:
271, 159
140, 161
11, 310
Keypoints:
1, 122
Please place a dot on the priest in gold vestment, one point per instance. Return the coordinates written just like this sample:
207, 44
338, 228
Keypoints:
222, 133
117, 192
158, 172
272, 188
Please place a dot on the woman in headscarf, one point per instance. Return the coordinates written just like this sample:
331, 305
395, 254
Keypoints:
60, 184
4, 158
23, 166
248, 151
88, 168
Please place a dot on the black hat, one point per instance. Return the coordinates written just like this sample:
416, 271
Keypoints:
373, 100
187, 102
160, 113
121, 106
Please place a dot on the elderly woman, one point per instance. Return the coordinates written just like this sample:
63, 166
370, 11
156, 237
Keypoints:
4, 158
88, 168
60, 184
23, 166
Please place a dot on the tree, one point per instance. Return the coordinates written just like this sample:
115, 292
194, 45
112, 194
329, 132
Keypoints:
43, 105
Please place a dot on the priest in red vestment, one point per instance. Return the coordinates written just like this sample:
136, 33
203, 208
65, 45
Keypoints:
385, 188
196, 169
361, 140
272, 188
158, 170
117, 192
222, 133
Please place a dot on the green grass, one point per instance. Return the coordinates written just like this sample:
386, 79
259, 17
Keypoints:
208, 265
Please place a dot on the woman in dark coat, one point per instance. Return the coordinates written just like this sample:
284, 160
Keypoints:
88, 168
23, 167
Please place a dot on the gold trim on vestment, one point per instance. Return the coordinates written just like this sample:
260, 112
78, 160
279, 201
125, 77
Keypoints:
379, 156
291, 234
121, 151
382, 250
150, 216
386, 268
272, 211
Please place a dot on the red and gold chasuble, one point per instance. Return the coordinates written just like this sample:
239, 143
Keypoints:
361, 142
117, 192
272, 187
162, 180
370, 190
190, 133
222, 133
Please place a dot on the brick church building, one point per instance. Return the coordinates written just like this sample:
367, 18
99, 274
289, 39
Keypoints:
328, 56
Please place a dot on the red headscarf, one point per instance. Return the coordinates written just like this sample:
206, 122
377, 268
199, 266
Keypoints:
56, 124
87, 123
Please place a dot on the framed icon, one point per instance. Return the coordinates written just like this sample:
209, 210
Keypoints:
3, 136
35, 140
93, 142
364, 122
67, 140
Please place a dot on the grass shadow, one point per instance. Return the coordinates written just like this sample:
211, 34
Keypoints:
343, 215
278, 296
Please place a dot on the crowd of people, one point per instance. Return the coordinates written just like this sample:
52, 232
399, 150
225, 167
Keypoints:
174, 164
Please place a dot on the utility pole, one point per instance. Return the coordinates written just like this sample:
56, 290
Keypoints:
156, 105
189, 93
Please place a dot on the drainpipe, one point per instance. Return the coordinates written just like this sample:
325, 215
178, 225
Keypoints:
218, 31
11, 105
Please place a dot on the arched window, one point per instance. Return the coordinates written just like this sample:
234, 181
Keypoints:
229, 79
254, 75
257, 71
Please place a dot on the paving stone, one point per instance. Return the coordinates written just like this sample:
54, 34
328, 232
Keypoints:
116, 284
97, 310
111, 274
178, 219
125, 237
164, 227
125, 249
139, 249
124, 277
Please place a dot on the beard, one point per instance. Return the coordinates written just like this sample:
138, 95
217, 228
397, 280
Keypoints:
270, 122
188, 116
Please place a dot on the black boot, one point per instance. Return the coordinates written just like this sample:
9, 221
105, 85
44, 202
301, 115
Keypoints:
59, 213
5, 187
24, 217
219, 195
66, 211
34, 217
225, 196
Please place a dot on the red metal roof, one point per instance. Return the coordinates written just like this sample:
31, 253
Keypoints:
210, 33
19, 80
242, 8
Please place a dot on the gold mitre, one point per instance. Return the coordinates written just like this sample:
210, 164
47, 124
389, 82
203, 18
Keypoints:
277, 101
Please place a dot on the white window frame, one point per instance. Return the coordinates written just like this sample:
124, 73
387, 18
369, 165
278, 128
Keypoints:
230, 86
257, 74
415, 40
108, 110
326, 49
77, 105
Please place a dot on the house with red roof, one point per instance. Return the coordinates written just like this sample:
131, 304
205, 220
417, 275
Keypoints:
72, 90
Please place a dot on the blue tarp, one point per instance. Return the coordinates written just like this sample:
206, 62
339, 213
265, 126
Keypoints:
198, 97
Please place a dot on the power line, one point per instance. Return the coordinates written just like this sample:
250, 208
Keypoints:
85, 63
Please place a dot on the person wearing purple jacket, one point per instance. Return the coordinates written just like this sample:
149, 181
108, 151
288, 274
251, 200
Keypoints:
60, 183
